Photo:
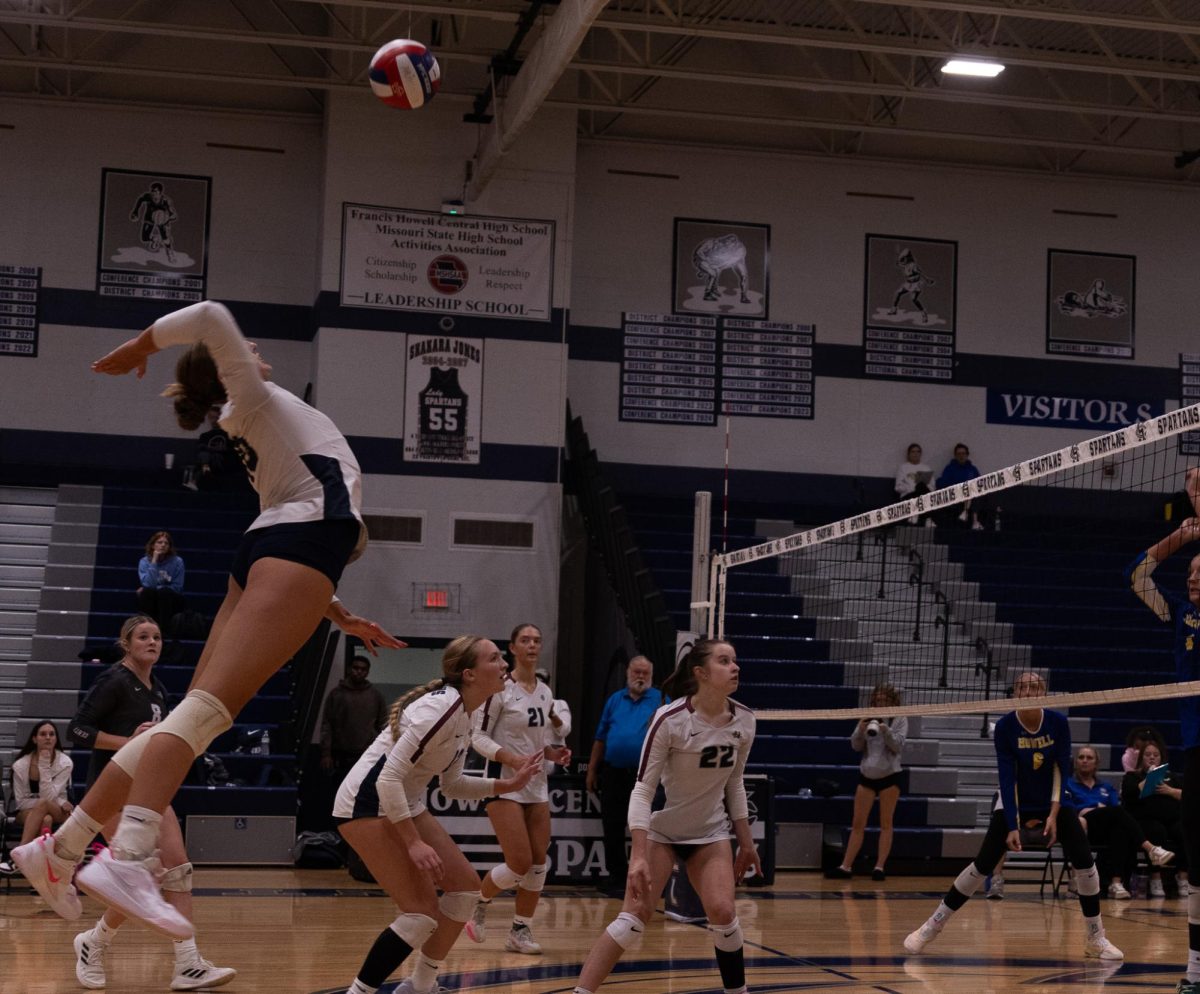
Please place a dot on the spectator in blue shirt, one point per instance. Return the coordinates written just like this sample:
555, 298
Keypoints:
612, 769
958, 470
160, 580
1109, 825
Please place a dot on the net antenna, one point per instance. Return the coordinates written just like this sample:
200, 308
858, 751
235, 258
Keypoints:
883, 597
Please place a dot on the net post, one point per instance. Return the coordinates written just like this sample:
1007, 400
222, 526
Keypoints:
701, 544
722, 572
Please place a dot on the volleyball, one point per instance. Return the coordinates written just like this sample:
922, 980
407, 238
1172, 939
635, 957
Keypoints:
404, 74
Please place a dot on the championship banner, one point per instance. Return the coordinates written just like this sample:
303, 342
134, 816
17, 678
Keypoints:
576, 853
767, 369
153, 236
20, 287
443, 399
1189, 393
408, 260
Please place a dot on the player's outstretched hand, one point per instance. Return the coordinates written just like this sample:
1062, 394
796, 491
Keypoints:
128, 357
371, 633
525, 772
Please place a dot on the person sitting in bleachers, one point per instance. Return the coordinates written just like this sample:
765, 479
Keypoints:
160, 579
1160, 812
1138, 737
913, 479
41, 780
1109, 825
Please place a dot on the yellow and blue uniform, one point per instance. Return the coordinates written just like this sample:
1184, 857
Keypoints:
1033, 766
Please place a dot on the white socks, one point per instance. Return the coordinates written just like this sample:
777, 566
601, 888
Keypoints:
75, 834
137, 835
424, 975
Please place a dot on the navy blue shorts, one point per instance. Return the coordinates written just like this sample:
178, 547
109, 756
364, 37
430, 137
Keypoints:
325, 546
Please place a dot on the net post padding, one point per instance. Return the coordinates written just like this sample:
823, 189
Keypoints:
1092, 450
996, 705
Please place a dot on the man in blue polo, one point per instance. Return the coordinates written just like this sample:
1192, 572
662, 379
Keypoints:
612, 769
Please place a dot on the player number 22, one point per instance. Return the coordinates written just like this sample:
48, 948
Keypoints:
712, 757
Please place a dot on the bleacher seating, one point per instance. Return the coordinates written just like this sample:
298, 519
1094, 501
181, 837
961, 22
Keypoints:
1073, 611
206, 529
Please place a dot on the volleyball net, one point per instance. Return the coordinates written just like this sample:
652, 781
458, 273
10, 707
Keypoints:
947, 595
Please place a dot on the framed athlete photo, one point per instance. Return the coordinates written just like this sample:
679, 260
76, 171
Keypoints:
154, 235
1090, 303
910, 303
721, 268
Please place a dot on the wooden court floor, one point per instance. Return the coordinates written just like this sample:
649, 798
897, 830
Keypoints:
306, 931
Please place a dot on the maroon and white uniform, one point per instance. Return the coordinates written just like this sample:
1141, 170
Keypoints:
700, 767
518, 720
435, 731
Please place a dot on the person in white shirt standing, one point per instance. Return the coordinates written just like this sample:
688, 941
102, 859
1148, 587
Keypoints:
696, 748
519, 722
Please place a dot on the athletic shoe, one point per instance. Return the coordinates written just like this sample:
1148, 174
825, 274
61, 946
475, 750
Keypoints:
878, 874
1118, 891
1101, 948
7, 869
521, 940
200, 975
50, 875
1186, 986
918, 940
128, 887
1160, 856
89, 961
406, 987
996, 891
476, 928
976, 527
840, 873
1156, 887
1184, 888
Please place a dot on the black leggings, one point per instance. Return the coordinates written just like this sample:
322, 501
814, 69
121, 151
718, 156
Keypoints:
1121, 835
1070, 836
1191, 806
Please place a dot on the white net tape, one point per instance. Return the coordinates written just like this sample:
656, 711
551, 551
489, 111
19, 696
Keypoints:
998, 705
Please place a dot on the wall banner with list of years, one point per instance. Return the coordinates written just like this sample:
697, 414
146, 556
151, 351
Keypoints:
409, 260
669, 369
443, 407
1189, 393
766, 369
20, 287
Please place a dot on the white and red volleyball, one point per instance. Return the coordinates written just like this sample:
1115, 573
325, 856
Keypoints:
405, 74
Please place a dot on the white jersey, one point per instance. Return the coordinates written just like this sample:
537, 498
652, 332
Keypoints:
700, 767
518, 720
352, 800
298, 462
434, 734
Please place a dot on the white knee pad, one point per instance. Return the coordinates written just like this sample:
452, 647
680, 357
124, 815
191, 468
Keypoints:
727, 938
198, 720
178, 879
458, 905
1088, 881
130, 754
503, 877
969, 880
414, 929
627, 931
535, 879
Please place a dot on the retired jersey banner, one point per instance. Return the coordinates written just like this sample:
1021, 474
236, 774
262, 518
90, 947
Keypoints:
443, 399
406, 260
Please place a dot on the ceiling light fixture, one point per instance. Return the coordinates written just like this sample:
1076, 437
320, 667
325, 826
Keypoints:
972, 67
